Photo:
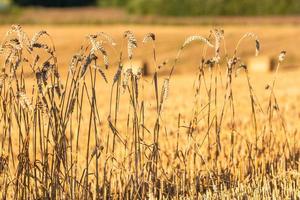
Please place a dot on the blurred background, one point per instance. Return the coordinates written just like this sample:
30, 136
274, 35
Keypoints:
176, 7
123, 10
276, 22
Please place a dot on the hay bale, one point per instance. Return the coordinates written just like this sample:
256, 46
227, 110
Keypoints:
138, 64
260, 64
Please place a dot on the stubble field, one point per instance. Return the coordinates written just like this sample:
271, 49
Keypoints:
211, 128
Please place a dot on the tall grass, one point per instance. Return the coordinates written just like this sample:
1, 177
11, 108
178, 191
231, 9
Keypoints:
56, 143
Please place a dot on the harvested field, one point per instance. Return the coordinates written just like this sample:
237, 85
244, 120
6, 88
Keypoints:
199, 126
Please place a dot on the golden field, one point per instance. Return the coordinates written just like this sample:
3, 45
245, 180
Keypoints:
273, 38
210, 130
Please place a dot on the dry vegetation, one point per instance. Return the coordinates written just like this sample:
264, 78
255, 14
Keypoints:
97, 15
90, 135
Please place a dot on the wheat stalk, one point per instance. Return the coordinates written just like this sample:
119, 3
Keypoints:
37, 36
97, 46
24, 101
149, 37
193, 38
251, 35
132, 43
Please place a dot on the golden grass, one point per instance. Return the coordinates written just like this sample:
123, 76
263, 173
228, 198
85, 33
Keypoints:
219, 132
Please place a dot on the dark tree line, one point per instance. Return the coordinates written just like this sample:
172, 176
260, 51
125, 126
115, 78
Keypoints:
185, 7
54, 3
